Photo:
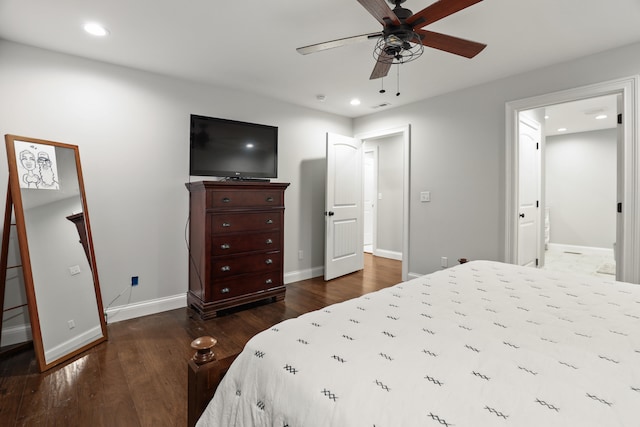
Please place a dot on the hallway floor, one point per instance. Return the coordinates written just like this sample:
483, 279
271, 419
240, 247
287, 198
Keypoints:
580, 260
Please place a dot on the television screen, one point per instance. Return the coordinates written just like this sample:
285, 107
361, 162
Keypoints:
232, 149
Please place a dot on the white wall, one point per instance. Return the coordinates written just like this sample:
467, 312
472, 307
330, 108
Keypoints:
581, 188
458, 153
132, 129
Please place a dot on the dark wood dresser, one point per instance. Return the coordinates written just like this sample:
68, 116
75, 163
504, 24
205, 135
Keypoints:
236, 238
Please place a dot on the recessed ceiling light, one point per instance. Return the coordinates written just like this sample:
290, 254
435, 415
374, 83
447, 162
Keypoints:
562, 129
355, 101
601, 116
95, 29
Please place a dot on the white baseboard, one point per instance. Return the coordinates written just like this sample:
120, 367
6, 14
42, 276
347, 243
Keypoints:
131, 311
16, 335
309, 273
383, 253
73, 344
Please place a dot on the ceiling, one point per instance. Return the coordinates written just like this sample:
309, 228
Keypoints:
581, 116
250, 44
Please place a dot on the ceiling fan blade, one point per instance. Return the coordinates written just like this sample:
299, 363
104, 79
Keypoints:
381, 69
336, 43
455, 45
380, 10
437, 11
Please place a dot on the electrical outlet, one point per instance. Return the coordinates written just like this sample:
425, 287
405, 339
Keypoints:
444, 261
300, 254
134, 280
75, 269
71, 324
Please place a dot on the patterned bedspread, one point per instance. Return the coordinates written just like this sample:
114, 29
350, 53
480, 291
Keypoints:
479, 344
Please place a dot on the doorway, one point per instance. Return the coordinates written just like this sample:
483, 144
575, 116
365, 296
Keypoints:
578, 176
383, 171
389, 193
628, 161
370, 190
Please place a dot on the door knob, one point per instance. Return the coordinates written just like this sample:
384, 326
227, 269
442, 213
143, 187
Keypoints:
330, 213
521, 215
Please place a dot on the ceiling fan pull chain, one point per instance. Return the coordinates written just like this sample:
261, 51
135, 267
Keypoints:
398, 82
382, 85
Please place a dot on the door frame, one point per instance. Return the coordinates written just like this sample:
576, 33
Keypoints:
405, 131
628, 236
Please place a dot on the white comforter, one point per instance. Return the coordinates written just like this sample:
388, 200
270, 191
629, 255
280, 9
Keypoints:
480, 344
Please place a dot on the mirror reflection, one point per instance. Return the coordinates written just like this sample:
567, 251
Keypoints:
66, 303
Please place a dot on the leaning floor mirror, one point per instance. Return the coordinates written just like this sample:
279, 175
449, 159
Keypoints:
56, 248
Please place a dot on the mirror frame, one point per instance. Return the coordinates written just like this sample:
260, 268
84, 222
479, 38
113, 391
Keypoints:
16, 198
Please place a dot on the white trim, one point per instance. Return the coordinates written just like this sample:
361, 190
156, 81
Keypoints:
16, 335
383, 253
628, 267
298, 275
406, 184
139, 309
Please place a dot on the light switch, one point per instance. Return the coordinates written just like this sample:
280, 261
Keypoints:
425, 196
379, 196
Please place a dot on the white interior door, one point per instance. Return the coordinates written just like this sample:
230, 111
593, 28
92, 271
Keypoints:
343, 207
529, 191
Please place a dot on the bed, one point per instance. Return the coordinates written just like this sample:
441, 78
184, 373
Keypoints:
480, 344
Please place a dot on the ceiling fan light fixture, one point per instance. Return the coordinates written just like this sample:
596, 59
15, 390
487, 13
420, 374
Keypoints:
399, 47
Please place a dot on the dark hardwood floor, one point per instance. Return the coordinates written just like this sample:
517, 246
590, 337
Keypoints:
139, 376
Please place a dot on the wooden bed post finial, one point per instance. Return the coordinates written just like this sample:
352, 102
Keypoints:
203, 346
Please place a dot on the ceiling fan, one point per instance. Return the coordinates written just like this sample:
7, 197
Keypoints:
402, 38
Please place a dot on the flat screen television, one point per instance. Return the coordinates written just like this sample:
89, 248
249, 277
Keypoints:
232, 149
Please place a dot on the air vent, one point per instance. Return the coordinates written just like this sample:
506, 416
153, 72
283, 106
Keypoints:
384, 104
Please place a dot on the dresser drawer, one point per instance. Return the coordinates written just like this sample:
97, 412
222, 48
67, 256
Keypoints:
228, 244
245, 284
236, 222
223, 267
246, 198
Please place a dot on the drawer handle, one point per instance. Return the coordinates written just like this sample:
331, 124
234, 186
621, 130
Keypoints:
226, 200
226, 268
269, 261
269, 199
269, 221
268, 281
225, 246
226, 224
225, 290
269, 242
